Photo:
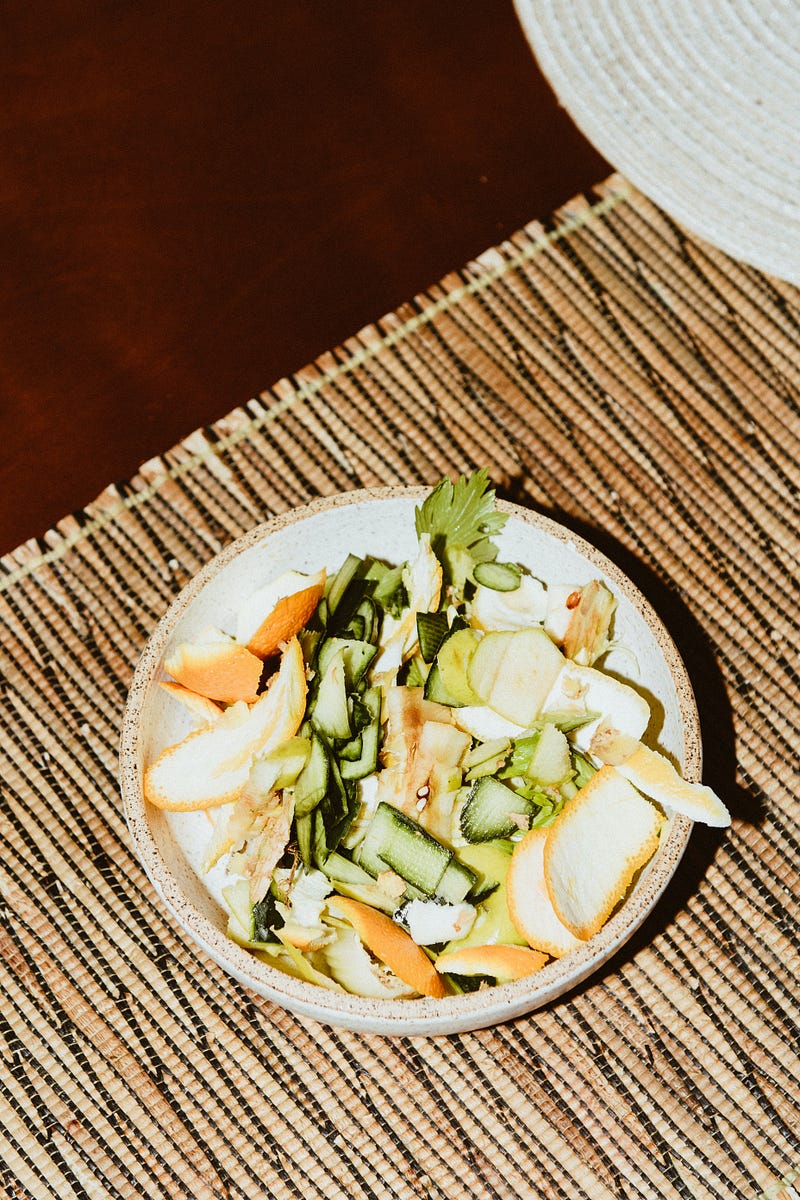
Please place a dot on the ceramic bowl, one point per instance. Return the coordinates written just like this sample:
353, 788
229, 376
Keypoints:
380, 522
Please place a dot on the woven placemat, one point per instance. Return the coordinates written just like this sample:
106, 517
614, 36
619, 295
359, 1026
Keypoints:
639, 386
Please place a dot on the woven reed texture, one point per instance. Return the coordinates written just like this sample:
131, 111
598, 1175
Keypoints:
639, 386
696, 101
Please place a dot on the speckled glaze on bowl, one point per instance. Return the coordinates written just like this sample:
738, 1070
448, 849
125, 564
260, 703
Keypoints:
381, 522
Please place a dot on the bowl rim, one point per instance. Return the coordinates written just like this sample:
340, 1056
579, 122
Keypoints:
423, 1016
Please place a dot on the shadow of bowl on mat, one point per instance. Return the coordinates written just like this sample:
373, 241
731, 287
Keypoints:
716, 726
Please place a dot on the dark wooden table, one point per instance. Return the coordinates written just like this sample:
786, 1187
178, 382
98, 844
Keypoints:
198, 198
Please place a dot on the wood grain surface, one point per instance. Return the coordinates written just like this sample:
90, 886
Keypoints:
200, 198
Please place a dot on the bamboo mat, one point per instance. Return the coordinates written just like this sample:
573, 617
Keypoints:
640, 387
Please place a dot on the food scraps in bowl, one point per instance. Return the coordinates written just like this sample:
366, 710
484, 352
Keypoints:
420, 779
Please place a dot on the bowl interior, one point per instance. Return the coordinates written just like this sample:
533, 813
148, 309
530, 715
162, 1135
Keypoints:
381, 523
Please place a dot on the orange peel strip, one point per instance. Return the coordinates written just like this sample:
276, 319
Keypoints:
503, 963
287, 617
655, 775
594, 848
529, 905
212, 764
392, 945
224, 671
197, 705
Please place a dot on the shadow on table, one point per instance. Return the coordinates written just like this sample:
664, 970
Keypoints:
716, 726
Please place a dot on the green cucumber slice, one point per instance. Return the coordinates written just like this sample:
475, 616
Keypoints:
356, 653
370, 735
350, 569
435, 690
432, 629
489, 811
304, 828
456, 883
395, 841
550, 763
500, 577
312, 782
343, 870
350, 751
330, 711
366, 620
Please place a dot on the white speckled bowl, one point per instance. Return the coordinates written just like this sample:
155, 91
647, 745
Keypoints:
381, 522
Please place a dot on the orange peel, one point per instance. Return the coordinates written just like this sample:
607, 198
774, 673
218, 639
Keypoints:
211, 765
503, 963
655, 775
529, 905
196, 705
392, 945
595, 846
224, 670
273, 615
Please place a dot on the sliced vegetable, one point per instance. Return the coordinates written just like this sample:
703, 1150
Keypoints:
453, 662
435, 690
500, 577
393, 840
312, 783
432, 629
550, 763
493, 810
514, 672
356, 656
456, 883
351, 570
392, 945
486, 758
367, 760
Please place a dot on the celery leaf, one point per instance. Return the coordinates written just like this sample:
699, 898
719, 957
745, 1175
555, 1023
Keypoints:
461, 519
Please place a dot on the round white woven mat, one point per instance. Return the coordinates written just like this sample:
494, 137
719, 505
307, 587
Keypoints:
696, 102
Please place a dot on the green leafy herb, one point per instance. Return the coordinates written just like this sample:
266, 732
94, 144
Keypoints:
461, 520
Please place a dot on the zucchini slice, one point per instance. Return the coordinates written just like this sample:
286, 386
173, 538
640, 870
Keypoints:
351, 569
393, 840
500, 577
432, 629
312, 782
356, 655
489, 811
370, 735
